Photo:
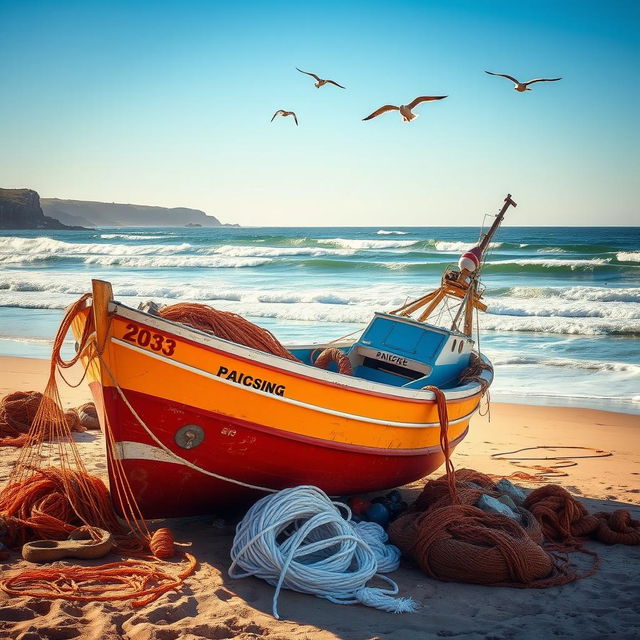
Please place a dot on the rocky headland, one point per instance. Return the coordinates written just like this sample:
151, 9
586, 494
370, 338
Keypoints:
21, 209
114, 214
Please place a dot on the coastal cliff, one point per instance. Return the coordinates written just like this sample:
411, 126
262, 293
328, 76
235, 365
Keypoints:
20, 209
113, 214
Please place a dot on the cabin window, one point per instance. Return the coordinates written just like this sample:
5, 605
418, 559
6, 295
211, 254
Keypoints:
460, 346
453, 345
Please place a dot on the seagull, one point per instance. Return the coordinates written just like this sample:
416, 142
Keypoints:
523, 86
282, 112
404, 109
320, 81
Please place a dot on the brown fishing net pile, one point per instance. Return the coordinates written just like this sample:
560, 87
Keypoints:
565, 521
18, 409
461, 543
453, 540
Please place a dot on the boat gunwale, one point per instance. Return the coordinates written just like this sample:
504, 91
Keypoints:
284, 365
293, 401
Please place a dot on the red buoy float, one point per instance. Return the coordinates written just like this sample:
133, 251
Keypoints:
470, 260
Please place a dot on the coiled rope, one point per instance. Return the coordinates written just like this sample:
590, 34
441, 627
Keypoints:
162, 544
333, 354
298, 539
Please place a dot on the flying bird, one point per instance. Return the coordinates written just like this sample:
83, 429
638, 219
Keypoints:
522, 86
404, 109
282, 112
320, 81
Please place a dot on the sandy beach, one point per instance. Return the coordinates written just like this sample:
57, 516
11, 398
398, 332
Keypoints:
212, 605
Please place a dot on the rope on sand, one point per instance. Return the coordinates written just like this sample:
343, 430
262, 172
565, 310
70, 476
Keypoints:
298, 539
542, 472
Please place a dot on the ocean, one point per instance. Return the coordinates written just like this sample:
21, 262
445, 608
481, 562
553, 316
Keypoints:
564, 302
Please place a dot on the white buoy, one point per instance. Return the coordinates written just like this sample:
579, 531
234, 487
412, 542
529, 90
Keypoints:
470, 260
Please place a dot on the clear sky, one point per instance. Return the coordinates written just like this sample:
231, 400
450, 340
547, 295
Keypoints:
168, 103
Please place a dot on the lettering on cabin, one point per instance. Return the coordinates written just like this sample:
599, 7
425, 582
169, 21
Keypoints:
249, 381
392, 357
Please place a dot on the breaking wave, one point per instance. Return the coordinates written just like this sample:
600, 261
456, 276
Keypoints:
568, 363
129, 236
348, 243
212, 262
628, 256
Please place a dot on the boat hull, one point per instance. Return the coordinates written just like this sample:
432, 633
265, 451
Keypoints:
308, 426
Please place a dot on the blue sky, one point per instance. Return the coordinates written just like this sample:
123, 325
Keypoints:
168, 103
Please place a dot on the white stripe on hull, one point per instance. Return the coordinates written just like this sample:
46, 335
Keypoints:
127, 450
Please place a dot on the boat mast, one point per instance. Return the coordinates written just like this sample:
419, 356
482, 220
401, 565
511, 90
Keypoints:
460, 283
472, 277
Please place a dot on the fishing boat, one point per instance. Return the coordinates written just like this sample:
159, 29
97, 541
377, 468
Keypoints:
196, 423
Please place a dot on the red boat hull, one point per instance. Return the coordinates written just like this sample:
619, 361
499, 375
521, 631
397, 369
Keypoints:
224, 471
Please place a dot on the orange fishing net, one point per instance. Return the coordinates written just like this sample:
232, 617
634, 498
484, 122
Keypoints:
41, 500
47, 505
225, 325
107, 582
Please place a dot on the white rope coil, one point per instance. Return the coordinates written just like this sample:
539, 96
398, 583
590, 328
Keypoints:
387, 555
298, 539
